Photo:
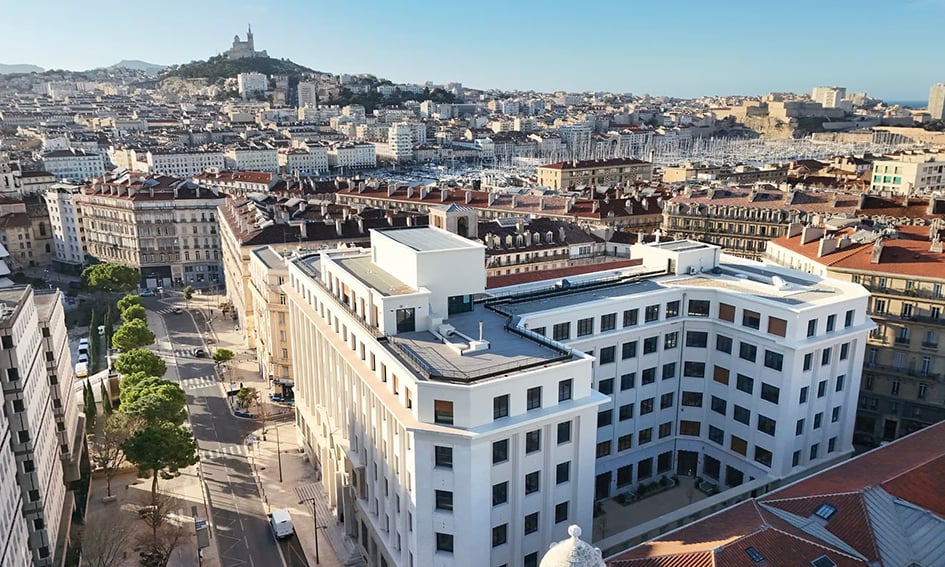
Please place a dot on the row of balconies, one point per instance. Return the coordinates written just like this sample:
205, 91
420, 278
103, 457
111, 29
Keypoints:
886, 290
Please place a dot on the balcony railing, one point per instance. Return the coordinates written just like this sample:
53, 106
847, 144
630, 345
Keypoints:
897, 292
902, 340
926, 344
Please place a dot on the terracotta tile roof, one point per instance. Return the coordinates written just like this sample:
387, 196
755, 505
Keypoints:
780, 549
874, 206
493, 282
568, 165
922, 485
849, 523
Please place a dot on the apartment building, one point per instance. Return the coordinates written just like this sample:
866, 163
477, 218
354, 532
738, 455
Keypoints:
305, 161
713, 365
253, 157
308, 94
742, 221
165, 227
65, 220
909, 173
568, 175
25, 231
183, 162
41, 429
352, 155
937, 101
268, 272
251, 84
74, 164
904, 269
443, 430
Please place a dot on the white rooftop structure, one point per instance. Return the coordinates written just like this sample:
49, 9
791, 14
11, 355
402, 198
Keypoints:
572, 552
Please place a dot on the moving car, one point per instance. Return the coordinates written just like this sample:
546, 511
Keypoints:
198, 352
281, 523
177, 310
146, 293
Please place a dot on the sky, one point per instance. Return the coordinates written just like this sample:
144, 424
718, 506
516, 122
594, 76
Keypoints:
890, 49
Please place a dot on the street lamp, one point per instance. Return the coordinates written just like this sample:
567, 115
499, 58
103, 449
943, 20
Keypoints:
308, 493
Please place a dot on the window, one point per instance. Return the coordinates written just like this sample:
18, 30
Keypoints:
831, 323
444, 542
645, 436
835, 415
608, 322
799, 427
770, 393
894, 388
666, 400
691, 428
777, 326
607, 355
648, 376
840, 380
723, 344
624, 442
738, 445
500, 535
531, 523
443, 412
747, 351
603, 449
444, 500
533, 441
500, 406
670, 340
564, 432
627, 381
530, 560
605, 418
500, 493
818, 419
796, 458
650, 345
720, 375
922, 391
500, 451
630, 317
624, 475
808, 361
585, 327
766, 425
813, 451
563, 472
669, 370
698, 308
561, 331
719, 405
666, 429
751, 319
625, 412
443, 457
646, 406
742, 415
848, 319
803, 397
774, 360
651, 313
745, 384
697, 339
531, 482
821, 388
694, 369
716, 435
727, 312
672, 309
565, 391
692, 399
561, 512
533, 398
812, 327
606, 386
831, 444
628, 350
763, 456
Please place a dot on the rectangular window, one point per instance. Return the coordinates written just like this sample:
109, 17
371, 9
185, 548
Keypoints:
531, 482
645, 469
821, 388
561, 512
813, 451
650, 344
802, 399
564, 432
585, 327
624, 476
500, 451
727, 312
751, 319
672, 309
831, 323
774, 360
697, 339
563, 472
605, 418
626, 412
825, 357
808, 361
443, 457
603, 449
835, 415
565, 390
646, 406
777, 326
719, 405
831, 444
723, 344
533, 441
666, 429
839, 386
669, 370
624, 442
742, 415
766, 425
690, 428
738, 445
627, 381
608, 322
692, 399
747, 351
630, 317
796, 458
745, 384
561, 331
645, 436
444, 542
844, 351
500, 534
648, 376
763, 456
531, 523
443, 412
698, 308
812, 327
716, 435
500, 406
607, 355
799, 427
444, 500
651, 313
670, 340
720, 375
666, 400
818, 419
606, 386
694, 369
628, 350
533, 398
770, 393
848, 319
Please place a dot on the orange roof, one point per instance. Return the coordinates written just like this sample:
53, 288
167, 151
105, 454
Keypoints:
493, 282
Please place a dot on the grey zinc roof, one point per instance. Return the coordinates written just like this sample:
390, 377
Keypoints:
905, 534
429, 239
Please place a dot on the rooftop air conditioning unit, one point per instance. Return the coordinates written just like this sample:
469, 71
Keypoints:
693, 270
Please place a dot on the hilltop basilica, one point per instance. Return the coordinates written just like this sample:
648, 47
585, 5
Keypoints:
244, 49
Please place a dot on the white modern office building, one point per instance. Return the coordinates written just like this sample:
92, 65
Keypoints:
443, 430
65, 219
73, 164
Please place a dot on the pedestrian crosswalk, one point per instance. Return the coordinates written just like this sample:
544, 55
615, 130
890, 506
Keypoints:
198, 382
223, 452
168, 311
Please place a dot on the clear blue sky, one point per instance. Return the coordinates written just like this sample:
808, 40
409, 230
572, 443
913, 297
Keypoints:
891, 49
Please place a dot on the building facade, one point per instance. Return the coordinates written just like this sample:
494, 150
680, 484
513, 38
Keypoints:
909, 174
569, 175
253, 157
937, 101
77, 165
441, 435
65, 219
183, 163
268, 272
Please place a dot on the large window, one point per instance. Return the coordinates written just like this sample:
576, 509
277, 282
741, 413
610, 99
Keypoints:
672, 309
766, 425
716, 435
651, 313
690, 428
777, 326
719, 405
742, 415
770, 393
605, 418
443, 412
693, 369
628, 350
669, 370
585, 327
751, 319
738, 445
763, 456
533, 398
608, 322
699, 308
561, 331
747, 351
720, 374
631, 317
645, 436
723, 344
774, 360
624, 475
692, 399
697, 339
607, 355
650, 345
646, 406
627, 381
745, 384
648, 376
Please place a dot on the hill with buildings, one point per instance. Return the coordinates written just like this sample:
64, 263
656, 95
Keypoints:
220, 67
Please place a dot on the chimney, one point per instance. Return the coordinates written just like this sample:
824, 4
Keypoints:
541, 203
468, 197
391, 188
519, 227
826, 246
595, 205
409, 220
360, 187
360, 225
443, 195
794, 229
339, 227
562, 235
877, 251
303, 230
491, 198
410, 192
810, 234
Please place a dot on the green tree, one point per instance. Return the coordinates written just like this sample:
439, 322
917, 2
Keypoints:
188, 292
154, 400
129, 380
222, 355
160, 449
247, 397
106, 400
105, 447
88, 407
128, 301
132, 334
140, 360
111, 277
134, 312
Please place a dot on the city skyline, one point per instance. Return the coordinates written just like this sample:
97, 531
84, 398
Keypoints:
683, 52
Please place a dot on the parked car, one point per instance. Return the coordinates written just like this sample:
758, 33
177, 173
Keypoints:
146, 293
199, 352
81, 370
84, 342
83, 357
281, 523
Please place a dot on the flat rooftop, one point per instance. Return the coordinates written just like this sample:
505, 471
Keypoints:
508, 351
368, 273
425, 239
269, 257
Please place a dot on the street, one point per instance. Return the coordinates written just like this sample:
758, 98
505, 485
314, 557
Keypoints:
241, 529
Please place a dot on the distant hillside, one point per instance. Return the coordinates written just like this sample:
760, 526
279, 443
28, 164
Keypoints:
219, 67
11, 69
149, 68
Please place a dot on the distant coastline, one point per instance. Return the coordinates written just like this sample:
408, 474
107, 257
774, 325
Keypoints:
914, 104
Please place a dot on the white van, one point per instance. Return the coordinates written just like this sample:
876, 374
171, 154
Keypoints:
81, 370
281, 523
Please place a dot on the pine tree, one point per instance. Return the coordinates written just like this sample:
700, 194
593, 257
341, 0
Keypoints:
106, 400
89, 408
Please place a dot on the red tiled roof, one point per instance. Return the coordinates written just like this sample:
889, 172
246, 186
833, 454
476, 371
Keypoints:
922, 485
779, 549
849, 523
493, 282
569, 165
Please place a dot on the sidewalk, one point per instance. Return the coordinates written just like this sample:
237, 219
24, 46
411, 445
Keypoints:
281, 440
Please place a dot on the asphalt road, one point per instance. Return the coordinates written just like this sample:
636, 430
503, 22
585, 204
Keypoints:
241, 529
